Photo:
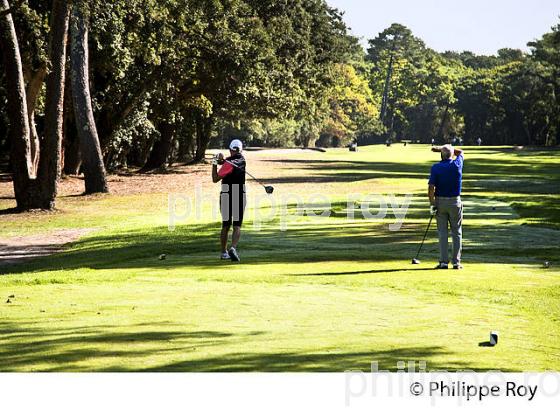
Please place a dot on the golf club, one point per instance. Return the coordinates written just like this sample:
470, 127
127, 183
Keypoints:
416, 261
269, 189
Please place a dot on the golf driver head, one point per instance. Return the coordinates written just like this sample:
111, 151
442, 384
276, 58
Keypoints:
269, 189
415, 261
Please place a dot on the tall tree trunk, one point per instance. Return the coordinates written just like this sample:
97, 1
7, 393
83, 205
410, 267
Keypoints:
443, 121
387, 86
34, 86
71, 156
50, 162
94, 169
184, 150
161, 149
527, 132
17, 111
203, 133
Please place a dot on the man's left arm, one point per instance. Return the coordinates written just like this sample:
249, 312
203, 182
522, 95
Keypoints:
456, 152
459, 158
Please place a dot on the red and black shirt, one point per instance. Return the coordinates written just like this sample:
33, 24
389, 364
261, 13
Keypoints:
233, 174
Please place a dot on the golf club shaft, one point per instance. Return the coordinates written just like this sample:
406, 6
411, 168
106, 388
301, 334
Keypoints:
247, 172
424, 238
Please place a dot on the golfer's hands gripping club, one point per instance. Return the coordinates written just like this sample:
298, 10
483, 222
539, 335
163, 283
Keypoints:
218, 159
433, 210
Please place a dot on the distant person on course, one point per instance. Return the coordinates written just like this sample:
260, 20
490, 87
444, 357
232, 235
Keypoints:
232, 197
445, 198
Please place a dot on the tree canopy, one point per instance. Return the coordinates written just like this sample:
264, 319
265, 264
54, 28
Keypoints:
166, 79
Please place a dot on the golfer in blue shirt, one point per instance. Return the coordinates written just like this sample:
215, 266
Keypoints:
445, 197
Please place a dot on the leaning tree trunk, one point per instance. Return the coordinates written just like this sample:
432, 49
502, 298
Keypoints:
161, 149
94, 169
24, 186
34, 86
50, 161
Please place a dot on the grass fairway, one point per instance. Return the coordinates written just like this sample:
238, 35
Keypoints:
327, 294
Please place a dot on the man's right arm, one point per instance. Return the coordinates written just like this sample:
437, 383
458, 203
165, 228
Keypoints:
432, 194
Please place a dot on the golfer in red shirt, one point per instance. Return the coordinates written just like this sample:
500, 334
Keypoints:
232, 197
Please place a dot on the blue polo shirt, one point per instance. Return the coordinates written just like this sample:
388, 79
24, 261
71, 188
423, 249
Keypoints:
447, 176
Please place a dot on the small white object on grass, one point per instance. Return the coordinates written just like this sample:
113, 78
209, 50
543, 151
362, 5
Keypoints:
546, 264
493, 338
162, 256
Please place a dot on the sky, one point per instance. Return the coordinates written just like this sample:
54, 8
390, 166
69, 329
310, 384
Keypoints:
481, 26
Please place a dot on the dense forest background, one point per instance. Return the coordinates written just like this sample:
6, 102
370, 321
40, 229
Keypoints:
87, 86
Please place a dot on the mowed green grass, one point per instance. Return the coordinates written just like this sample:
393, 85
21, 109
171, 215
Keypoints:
326, 294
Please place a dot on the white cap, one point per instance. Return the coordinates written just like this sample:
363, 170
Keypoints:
236, 145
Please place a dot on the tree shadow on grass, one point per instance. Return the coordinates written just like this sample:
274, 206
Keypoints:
363, 272
196, 246
9, 211
479, 174
28, 345
62, 349
322, 361
276, 362
325, 171
334, 239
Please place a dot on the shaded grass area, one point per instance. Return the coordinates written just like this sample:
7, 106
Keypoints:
327, 294
131, 345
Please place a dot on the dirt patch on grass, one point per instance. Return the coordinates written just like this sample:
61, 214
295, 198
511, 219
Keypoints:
178, 178
17, 249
